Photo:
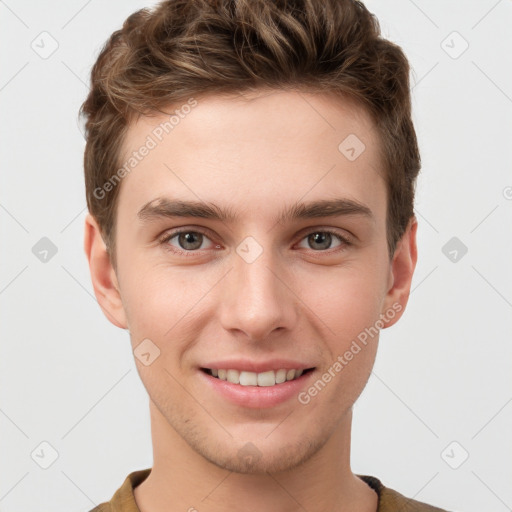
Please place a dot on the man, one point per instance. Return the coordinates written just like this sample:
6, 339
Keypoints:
250, 170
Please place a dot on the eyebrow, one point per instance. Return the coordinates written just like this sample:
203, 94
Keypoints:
163, 207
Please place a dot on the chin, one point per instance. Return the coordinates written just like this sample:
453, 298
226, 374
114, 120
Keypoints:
259, 457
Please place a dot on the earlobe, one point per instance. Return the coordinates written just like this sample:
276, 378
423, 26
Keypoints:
401, 272
103, 276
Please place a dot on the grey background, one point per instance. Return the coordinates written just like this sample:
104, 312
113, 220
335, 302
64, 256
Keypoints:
441, 386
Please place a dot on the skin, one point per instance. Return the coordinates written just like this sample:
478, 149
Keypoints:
255, 155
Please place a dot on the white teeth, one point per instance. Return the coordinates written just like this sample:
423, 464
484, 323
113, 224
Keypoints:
280, 376
267, 378
233, 376
263, 379
248, 379
290, 374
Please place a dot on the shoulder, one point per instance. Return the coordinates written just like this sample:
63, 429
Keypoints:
390, 500
103, 507
123, 499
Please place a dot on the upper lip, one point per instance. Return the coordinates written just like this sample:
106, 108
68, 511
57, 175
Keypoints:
257, 366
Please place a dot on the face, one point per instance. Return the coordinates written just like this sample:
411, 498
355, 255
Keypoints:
251, 242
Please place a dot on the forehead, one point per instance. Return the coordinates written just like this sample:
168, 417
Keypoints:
254, 149
261, 115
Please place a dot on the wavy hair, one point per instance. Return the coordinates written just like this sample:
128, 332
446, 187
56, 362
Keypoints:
183, 48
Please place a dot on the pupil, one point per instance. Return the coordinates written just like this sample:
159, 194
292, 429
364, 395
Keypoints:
190, 240
324, 239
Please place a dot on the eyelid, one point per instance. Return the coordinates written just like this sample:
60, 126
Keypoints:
344, 239
168, 235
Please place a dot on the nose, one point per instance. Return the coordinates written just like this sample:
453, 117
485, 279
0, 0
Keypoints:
257, 298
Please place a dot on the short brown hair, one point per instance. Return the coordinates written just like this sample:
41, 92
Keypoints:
187, 48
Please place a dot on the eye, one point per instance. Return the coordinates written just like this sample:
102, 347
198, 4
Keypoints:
322, 240
187, 241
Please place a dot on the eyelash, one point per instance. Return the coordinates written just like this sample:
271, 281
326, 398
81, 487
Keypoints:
169, 236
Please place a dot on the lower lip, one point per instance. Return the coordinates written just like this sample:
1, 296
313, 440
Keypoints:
257, 397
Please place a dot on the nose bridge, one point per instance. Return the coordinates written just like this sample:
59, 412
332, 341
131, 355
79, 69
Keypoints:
257, 301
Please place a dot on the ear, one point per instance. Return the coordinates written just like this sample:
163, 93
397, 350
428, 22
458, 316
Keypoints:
400, 275
103, 276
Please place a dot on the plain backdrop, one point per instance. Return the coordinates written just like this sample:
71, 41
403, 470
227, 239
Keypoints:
434, 421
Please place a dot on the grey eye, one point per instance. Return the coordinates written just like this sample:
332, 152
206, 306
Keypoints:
321, 240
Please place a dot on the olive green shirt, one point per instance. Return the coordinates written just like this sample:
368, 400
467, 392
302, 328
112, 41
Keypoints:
389, 500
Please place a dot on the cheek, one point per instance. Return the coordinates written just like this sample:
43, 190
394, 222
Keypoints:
349, 314
350, 308
164, 304
347, 300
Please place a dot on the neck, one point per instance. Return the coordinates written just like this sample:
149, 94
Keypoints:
183, 480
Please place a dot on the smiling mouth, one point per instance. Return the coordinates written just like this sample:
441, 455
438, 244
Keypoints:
263, 379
